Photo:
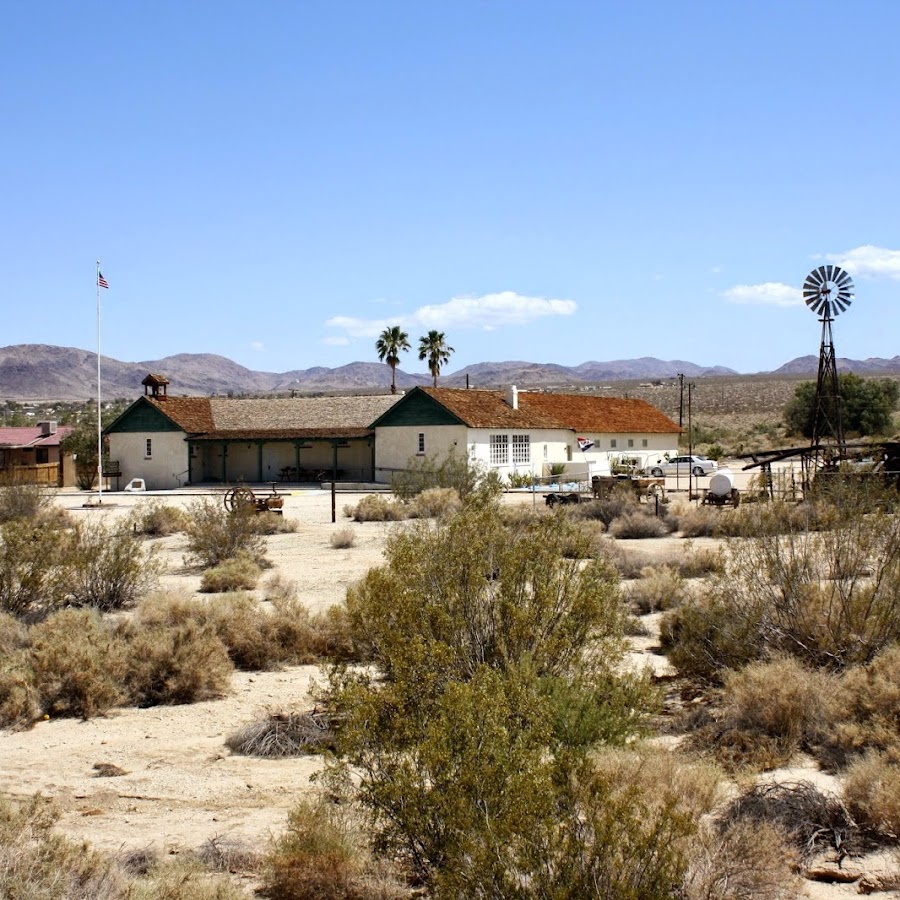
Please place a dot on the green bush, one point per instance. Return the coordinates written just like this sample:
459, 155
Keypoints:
20, 500
32, 575
78, 664
453, 470
157, 519
107, 568
214, 534
435, 502
240, 573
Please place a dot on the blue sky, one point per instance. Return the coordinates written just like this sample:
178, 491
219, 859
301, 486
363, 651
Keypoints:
278, 181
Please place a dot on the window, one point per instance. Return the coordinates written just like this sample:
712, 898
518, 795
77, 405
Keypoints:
521, 448
499, 449
149, 450
612, 444
630, 442
41, 455
545, 452
643, 442
421, 444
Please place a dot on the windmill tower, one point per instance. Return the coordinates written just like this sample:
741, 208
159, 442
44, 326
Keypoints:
827, 291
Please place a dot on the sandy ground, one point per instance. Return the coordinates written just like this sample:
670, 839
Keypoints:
182, 786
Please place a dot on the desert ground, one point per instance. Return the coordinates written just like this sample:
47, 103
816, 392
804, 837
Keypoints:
181, 786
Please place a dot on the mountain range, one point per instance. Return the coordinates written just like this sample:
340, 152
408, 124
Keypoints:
43, 371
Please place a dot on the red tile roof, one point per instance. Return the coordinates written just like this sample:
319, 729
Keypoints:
192, 414
574, 412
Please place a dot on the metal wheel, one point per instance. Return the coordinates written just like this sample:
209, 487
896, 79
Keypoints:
656, 490
656, 472
698, 471
239, 498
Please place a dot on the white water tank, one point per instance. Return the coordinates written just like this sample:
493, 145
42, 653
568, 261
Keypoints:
721, 484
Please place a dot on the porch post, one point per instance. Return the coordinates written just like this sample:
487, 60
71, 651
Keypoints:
259, 446
225, 462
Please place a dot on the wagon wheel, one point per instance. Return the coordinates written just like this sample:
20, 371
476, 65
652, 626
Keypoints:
656, 490
239, 498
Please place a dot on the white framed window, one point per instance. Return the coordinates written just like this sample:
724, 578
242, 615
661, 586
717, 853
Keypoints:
521, 448
612, 443
421, 443
148, 450
499, 455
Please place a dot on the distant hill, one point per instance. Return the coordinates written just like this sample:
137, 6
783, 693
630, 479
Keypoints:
42, 371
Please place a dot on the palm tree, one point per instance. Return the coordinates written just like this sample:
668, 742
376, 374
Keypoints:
389, 345
435, 349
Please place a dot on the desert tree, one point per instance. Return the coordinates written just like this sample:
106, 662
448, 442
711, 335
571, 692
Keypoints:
389, 345
434, 347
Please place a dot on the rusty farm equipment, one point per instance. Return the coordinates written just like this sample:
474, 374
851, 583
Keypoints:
240, 499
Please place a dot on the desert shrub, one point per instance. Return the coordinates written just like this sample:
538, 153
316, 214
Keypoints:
19, 500
811, 821
278, 587
375, 508
770, 710
700, 562
638, 525
183, 878
434, 502
224, 853
323, 855
272, 523
620, 501
248, 632
20, 704
869, 700
78, 664
453, 470
659, 588
872, 793
157, 519
32, 576
107, 568
699, 521
741, 861
37, 863
240, 573
281, 734
179, 663
343, 538
519, 480
827, 597
13, 635
493, 675
214, 534
708, 634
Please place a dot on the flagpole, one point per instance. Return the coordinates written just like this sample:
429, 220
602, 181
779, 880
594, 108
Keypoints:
99, 425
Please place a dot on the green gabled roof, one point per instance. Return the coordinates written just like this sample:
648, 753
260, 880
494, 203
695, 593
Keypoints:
417, 407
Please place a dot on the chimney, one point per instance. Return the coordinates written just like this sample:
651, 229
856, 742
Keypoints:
512, 397
47, 427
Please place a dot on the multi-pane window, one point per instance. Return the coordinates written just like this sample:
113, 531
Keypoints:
149, 449
499, 449
521, 448
421, 444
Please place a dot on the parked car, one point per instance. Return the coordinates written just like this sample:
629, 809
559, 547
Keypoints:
683, 465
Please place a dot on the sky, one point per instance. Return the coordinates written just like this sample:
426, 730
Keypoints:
277, 182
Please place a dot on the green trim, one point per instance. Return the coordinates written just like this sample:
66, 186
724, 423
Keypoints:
417, 408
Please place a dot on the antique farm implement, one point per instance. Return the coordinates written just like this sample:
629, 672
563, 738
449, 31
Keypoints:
240, 499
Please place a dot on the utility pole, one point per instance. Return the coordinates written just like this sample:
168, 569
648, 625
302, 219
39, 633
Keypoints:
680, 400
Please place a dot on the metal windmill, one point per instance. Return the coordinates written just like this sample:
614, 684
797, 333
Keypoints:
827, 291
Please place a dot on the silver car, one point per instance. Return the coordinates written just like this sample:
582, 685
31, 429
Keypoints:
683, 465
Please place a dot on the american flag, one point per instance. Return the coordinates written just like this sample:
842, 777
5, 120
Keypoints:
584, 444
101, 281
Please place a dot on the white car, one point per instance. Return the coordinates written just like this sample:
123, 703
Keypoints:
684, 465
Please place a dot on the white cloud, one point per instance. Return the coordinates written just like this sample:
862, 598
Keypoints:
771, 293
869, 260
487, 312
336, 341
258, 346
